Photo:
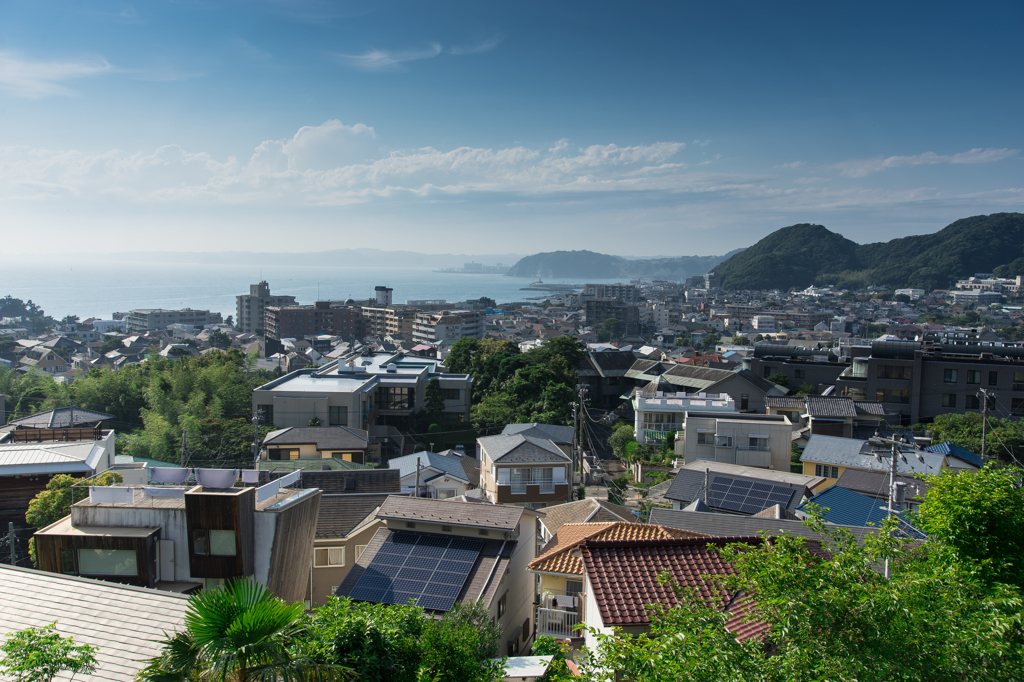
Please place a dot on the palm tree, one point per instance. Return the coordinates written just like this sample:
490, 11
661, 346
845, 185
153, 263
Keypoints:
239, 633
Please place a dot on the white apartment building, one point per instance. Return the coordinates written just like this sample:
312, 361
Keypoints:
658, 413
754, 440
154, 319
447, 325
763, 324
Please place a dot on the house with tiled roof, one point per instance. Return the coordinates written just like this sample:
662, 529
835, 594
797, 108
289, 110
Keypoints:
428, 474
840, 506
588, 510
559, 568
830, 456
523, 470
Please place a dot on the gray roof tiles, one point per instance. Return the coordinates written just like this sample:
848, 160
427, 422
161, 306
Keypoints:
323, 437
848, 452
341, 514
521, 449
445, 512
553, 432
448, 466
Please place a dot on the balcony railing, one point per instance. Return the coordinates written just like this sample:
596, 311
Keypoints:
758, 448
519, 488
556, 623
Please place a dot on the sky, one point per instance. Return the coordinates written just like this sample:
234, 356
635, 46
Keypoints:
645, 129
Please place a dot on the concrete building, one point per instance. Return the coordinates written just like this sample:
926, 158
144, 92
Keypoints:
600, 309
753, 440
763, 324
155, 319
974, 297
659, 413
390, 320
323, 317
433, 328
249, 308
382, 295
627, 293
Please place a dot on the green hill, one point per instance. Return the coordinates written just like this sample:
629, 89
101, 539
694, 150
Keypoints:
801, 255
584, 264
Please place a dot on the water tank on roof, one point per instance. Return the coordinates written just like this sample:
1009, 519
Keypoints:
392, 367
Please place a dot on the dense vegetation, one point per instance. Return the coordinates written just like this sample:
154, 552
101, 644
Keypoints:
511, 387
598, 265
801, 255
27, 310
208, 397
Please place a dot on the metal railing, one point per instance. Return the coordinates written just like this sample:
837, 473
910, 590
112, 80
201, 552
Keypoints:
519, 488
556, 623
759, 448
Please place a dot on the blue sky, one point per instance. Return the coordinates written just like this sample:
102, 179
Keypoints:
631, 128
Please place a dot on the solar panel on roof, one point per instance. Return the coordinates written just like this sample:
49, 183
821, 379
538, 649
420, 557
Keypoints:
429, 569
745, 496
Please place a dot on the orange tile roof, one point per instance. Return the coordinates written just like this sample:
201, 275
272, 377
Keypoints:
558, 557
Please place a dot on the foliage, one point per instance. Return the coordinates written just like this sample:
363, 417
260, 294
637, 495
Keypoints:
980, 517
315, 421
621, 436
581, 492
380, 642
434, 398
549, 646
459, 647
709, 342
779, 378
54, 503
39, 654
113, 343
611, 329
27, 310
243, 632
1005, 437
741, 340
219, 339
585, 264
617, 490
805, 389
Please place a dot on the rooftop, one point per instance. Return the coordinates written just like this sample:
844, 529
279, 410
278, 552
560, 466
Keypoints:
341, 514
731, 524
518, 448
554, 433
558, 555
450, 466
324, 437
848, 452
582, 511
445, 512
56, 457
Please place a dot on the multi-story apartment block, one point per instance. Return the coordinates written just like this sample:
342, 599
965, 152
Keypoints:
601, 309
447, 325
393, 320
627, 293
249, 307
753, 440
153, 319
323, 317
659, 413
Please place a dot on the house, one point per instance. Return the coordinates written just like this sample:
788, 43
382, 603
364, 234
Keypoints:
437, 552
181, 537
747, 390
43, 359
428, 474
126, 624
754, 440
61, 418
659, 413
562, 436
340, 442
830, 415
730, 524
560, 571
717, 480
956, 456
830, 456
623, 578
839, 506
605, 373
587, 510
876, 484
523, 470
345, 524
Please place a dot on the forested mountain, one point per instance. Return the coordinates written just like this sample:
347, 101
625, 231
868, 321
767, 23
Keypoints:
585, 264
801, 255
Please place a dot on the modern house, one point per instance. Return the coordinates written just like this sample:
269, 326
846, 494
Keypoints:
659, 413
181, 537
344, 527
523, 470
439, 552
428, 474
831, 415
339, 442
753, 440
830, 456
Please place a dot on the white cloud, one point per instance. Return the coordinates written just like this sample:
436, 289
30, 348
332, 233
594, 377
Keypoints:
21, 77
810, 179
483, 46
701, 143
379, 60
863, 167
792, 165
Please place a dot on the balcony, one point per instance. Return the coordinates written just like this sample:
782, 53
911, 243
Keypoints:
556, 623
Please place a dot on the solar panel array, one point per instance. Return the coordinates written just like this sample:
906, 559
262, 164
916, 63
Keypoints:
427, 568
746, 496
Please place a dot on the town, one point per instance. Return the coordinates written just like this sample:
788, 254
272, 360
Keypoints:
530, 468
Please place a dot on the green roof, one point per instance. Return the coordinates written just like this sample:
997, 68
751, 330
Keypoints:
309, 464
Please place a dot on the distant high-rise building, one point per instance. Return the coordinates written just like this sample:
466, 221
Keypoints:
324, 317
383, 295
250, 308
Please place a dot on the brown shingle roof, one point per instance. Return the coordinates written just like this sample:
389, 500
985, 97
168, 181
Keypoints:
582, 511
491, 516
558, 556
341, 514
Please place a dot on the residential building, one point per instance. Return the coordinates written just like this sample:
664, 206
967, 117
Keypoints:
383, 295
162, 536
562, 436
737, 490
974, 297
345, 525
839, 506
600, 309
340, 442
627, 293
830, 415
818, 368
875, 484
323, 317
153, 319
428, 474
126, 625
659, 413
249, 308
433, 328
913, 294
587, 510
763, 324
483, 550
560, 572
754, 440
830, 456
390, 320
605, 374
44, 360
523, 470
746, 389
729, 524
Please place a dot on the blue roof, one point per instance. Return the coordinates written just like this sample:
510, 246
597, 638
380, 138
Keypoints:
845, 507
952, 450
450, 466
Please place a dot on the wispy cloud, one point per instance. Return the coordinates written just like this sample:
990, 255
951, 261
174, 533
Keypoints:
29, 79
484, 46
863, 167
381, 60
792, 165
252, 52
810, 179
701, 143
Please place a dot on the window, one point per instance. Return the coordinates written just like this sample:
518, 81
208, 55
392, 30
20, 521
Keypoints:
705, 438
993, 378
972, 402
338, 416
1018, 381
267, 414
826, 471
886, 395
1017, 406
757, 443
973, 376
544, 477
445, 493
767, 371
949, 376
446, 529
200, 542
799, 373
107, 562
502, 605
329, 556
893, 372
67, 562
949, 399
573, 586
744, 402
723, 441
452, 393
410, 524
395, 398
359, 550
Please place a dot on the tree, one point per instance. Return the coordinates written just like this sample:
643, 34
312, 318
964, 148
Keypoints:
980, 517
219, 339
902, 298
1005, 437
617, 490
315, 421
741, 340
709, 342
805, 389
242, 632
779, 378
459, 647
39, 654
113, 343
434, 399
621, 436
611, 329
230, 321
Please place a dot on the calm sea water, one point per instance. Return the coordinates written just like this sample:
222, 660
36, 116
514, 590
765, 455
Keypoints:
94, 289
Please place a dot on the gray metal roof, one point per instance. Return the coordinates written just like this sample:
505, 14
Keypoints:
849, 452
449, 466
731, 524
60, 418
322, 437
490, 516
553, 432
124, 622
518, 448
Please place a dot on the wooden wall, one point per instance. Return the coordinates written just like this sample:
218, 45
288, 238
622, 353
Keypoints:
292, 552
222, 511
48, 549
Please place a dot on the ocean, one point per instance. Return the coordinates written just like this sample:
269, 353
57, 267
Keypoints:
90, 288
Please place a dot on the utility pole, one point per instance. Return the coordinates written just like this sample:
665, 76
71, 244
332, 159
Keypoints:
181, 459
896, 490
984, 395
417, 493
256, 419
572, 451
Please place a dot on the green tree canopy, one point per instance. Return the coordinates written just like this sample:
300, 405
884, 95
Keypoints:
434, 399
39, 654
